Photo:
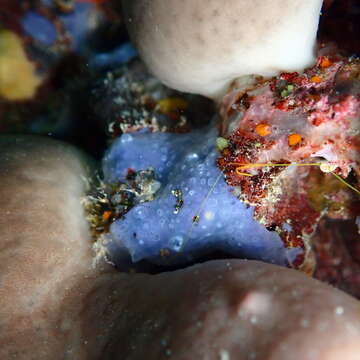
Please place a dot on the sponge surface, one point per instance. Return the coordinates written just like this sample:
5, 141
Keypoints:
209, 218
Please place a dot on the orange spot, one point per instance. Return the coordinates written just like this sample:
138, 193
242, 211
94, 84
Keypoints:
316, 79
283, 105
325, 62
221, 162
317, 121
315, 97
106, 215
289, 76
164, 252
294, 139
225, 152
263, 129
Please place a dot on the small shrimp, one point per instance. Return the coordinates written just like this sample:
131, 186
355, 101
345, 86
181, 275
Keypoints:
324, 167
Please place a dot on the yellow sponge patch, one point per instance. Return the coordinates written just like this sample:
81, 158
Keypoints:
18, 78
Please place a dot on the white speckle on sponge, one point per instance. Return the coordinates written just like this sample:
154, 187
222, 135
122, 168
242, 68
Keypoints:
339, 310
126, 138
209, 215
254, 304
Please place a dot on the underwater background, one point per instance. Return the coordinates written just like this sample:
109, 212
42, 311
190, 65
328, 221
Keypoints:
68, 71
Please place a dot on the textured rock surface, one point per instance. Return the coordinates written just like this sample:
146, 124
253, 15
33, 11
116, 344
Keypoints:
311, 120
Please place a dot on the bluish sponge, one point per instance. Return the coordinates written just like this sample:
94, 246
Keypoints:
194, 211
40, 28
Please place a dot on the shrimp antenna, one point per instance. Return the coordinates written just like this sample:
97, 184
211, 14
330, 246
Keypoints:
240, 167
196, 217
239, 171
346, 183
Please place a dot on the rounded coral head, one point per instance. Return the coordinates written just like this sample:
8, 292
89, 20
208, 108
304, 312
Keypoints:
200, 46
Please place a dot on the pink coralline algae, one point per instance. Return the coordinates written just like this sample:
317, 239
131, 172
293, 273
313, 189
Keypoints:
294, 148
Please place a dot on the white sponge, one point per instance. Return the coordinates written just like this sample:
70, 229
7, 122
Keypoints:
200, 46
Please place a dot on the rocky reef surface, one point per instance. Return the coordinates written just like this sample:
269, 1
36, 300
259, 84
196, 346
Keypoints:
283, 154
293, 147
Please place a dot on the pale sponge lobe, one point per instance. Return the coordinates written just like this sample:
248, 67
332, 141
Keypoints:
200, 46
45, 248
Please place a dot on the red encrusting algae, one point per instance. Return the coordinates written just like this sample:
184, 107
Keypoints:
285, 132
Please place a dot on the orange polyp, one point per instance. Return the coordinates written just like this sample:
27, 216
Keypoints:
294, 139
263, 129
316, 79
106, 215
325, 62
